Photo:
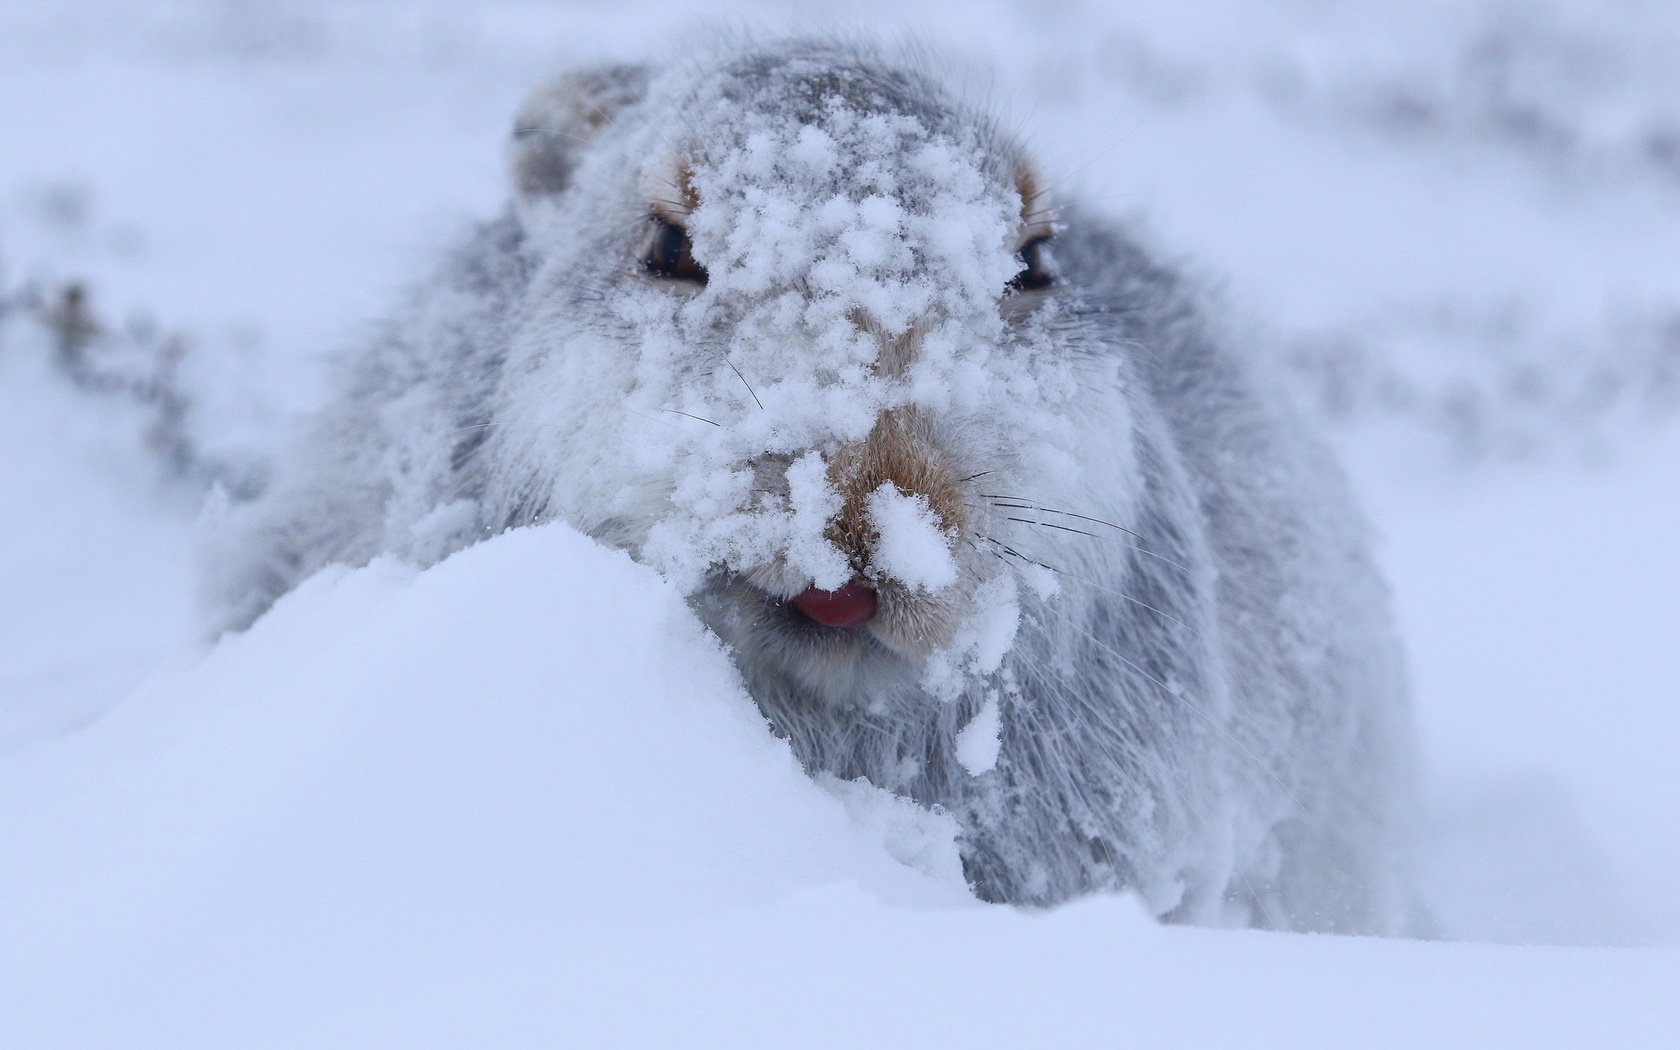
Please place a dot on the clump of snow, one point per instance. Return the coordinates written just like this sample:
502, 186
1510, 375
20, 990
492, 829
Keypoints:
979, 742
911, 546
1041, 579
815, 504
914, 835
981, 642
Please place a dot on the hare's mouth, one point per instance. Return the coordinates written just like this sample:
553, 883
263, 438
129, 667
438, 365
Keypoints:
860, 641
852, 605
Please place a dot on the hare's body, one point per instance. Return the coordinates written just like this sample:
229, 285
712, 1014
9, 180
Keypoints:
791, 327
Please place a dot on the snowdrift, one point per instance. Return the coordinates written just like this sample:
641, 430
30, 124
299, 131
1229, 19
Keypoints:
520, 799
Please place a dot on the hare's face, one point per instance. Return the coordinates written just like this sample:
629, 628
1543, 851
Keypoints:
821, 326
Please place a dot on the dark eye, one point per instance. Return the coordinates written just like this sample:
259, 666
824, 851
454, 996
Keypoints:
670, 255
1035, 272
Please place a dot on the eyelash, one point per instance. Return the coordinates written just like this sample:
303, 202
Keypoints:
1034, 275
669, 254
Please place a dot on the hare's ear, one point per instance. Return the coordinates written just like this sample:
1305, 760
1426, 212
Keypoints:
558, 122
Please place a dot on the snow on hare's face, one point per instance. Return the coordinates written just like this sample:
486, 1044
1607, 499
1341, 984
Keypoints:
792, 334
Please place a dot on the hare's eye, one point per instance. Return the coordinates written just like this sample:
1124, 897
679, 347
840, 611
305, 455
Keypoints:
669, 254
1035, 272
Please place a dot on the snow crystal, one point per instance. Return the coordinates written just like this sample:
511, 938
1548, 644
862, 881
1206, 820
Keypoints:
814, 151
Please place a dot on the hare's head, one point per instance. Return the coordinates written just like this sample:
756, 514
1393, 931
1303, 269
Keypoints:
797, 342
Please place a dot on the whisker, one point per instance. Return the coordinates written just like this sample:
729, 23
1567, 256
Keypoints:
656, 419
502, 423
1012, 552
1085, 581
1052, 525
1111, 743
1189, 705
691, 415
744, 383
1021, 503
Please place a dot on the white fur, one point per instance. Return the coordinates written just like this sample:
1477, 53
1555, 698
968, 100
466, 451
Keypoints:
1205, 706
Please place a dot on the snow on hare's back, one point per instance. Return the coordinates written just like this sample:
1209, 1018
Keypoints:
986, 511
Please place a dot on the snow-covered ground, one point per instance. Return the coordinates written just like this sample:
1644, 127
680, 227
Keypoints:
518, 798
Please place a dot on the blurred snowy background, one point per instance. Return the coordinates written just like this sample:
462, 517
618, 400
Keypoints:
1454, 226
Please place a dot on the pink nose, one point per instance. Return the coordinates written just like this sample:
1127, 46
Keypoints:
850, 606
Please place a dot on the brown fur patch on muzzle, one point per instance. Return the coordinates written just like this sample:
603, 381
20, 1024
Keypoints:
900, 449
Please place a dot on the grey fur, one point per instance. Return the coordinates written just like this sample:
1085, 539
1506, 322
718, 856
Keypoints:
1209, 712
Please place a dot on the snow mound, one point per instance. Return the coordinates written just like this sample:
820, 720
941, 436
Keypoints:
519, 799
445, 776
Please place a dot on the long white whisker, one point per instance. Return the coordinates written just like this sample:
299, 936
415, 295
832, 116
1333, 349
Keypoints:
1189, 704
1087, 582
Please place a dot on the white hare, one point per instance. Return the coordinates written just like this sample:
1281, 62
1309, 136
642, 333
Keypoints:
986, 510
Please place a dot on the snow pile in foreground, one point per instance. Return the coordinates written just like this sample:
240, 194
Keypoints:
520, 797
452, 772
